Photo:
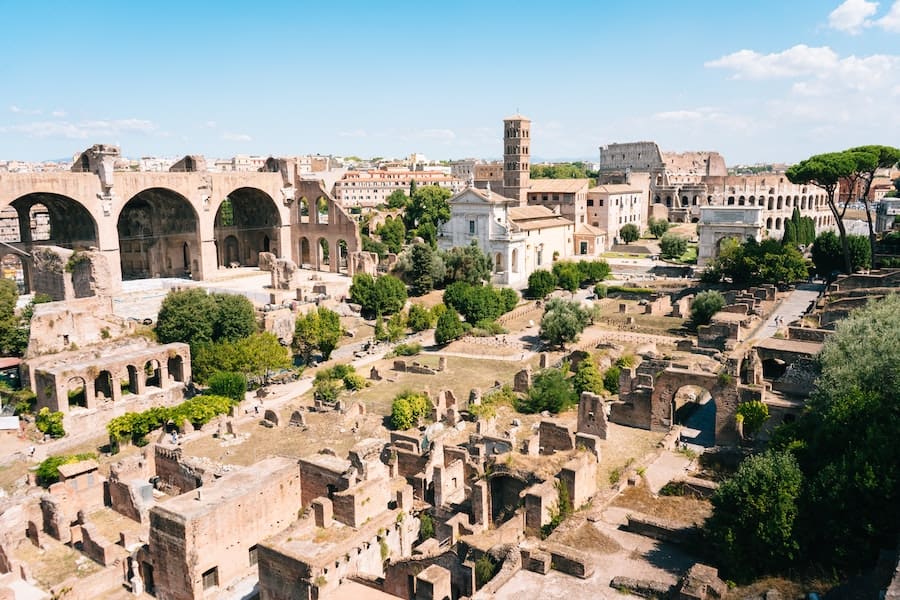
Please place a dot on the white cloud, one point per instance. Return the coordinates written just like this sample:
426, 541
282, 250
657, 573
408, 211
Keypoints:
891, 21
355, 133
24, 111
852, 16
236, 137
58, 114
81, 130
210, 124
795, 61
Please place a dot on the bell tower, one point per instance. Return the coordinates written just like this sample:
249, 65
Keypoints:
516, 158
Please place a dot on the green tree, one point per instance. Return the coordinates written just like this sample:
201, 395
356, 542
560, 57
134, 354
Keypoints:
826, 171
422, 275
407, 408
753, 263
467, 263
563, 321
567, 275
449, 327
864, 173
392, 233
658, 227
484, 570
263, 353
593, 271
828, 257
370, 245
235, 317
541, 283
752, 528
629, 233
318, 330
428, 205
550, 390
397, 199
186, 316
385, 295
852, 459
672, 246
509, 299
588, 378
705, 305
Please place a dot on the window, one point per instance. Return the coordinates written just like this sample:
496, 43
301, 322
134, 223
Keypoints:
601, 201
590, 202
471, 227
211, 578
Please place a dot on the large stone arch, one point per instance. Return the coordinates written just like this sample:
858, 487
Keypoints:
159, 234
69, 223
248, 216
722, 387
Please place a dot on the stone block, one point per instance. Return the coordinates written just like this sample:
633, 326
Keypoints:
592, 415
323, 512
522, 381
272, 417
266, 261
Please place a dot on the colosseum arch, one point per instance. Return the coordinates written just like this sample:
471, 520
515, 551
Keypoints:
246, 223
158, 235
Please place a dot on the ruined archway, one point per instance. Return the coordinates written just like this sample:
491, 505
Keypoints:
176, 367
506, 496
103, 385
303, 210
152, 374
158, 235
249, 217
51, 219
693, 408
342, 256
76, 390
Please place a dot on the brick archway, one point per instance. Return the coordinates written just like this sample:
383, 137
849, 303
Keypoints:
722, 387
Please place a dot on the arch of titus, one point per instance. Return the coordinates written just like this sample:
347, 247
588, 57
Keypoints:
187, 221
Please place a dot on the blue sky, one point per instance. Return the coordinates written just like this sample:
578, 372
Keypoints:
757, 81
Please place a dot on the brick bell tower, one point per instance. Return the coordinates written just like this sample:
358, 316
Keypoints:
516, 158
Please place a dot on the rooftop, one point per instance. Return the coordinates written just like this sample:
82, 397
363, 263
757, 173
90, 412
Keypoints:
558, 186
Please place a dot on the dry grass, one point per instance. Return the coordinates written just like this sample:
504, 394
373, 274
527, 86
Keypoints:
587, 538
679, 509
624, 446
56, 563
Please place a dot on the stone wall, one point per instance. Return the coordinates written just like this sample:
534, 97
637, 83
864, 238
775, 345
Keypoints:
129, 489
592, 415
361, 502
555, 437
212, 529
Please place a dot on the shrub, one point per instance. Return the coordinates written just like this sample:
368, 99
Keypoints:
484, 570
50, 423
24, 401
587, 378
705, 305
354, 381
326, 391
426, 526
509, 299
420, 318
550, 391
410, 349
753, 415
611, 379
48, 471
601, 291
491, 327
198, 410
229, 384
407, 408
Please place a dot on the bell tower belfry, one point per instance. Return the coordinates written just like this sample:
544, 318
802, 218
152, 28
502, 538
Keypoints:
516, 158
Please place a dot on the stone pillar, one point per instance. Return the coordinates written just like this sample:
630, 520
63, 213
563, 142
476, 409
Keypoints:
163, 372
61, 397
480, 503
286, 247
207, 260
115, 386
90, 400
140, 382
438, 479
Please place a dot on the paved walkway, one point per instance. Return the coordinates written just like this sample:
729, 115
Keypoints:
797, 304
